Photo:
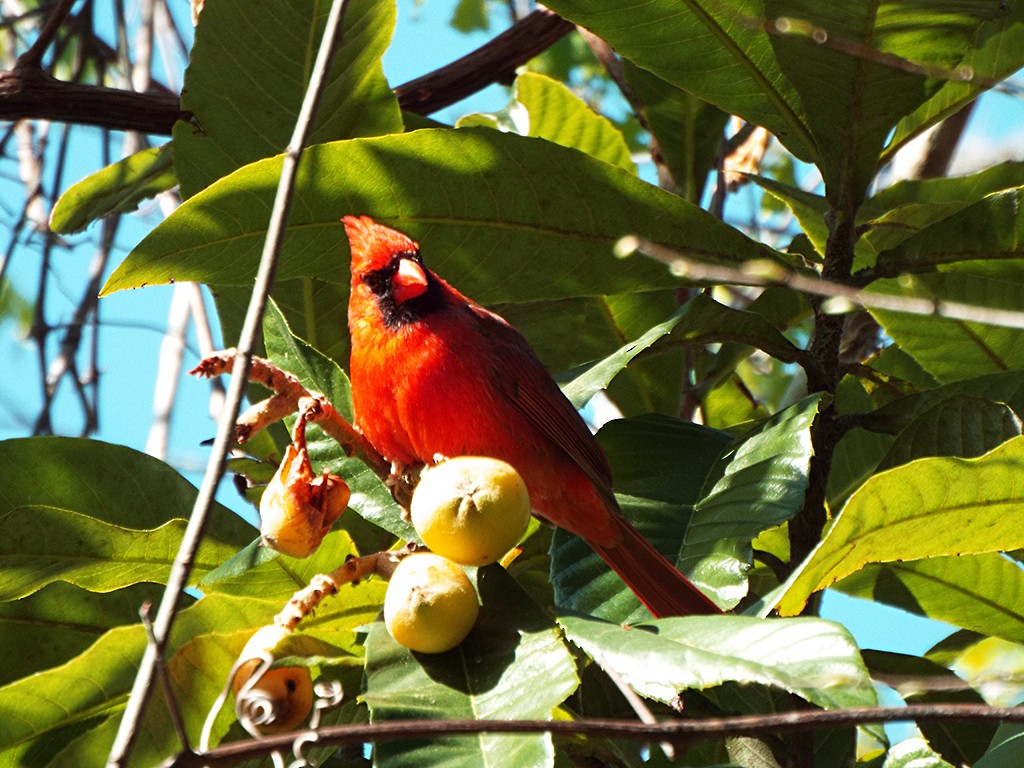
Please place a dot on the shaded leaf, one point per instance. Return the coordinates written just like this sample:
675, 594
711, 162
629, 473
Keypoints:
688, 130
996, 52
814, 659
60, 621
247, 74
97, 515
475, 199
951, 349
118, 188
992, 228
702, 320
930, 507
513, 665
860, 67
721, 53
1007, 750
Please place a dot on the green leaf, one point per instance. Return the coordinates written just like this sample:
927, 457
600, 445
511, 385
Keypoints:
809, 209
860, 66
513, 666
688, 130
721, 53
814, 659
996, 51
247, 74
46, 712
907, 207
702, 320
60, 621
469, 227
557, 114
992, 228
955, 424
97, 515
1007, 750
930, 507
951, 349
118, 188
913, 753
470, 16
763, 484
659, 464
983, 592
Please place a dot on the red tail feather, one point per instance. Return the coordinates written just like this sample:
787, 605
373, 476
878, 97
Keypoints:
662, 588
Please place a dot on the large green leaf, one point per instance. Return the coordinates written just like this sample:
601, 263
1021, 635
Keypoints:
118, 188
814, 659
247, 74
929, 507
48, 711
898, 212
959, 425
659, 464
983, 593
720, 52
97, 515
860, 66
992, 228
952, 349
479, 201
513, 666
60, 621
913, 753
1007, 750
762, 485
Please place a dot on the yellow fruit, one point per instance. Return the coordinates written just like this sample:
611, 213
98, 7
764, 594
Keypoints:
430, 605
281, 698
471, 509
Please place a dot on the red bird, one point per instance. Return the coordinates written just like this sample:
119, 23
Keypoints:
435, 374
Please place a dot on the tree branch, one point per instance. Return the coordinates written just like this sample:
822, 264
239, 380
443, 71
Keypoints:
28, 92
678, 731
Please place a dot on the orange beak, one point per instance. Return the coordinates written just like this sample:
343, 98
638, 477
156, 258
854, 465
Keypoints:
408, 282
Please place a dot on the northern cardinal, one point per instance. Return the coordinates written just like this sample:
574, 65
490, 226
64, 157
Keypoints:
434, 374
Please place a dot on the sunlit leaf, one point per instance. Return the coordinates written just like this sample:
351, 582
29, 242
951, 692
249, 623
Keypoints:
815, 659
929, 507
97, 515
118, 188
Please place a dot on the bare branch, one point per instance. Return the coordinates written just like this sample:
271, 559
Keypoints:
683, 731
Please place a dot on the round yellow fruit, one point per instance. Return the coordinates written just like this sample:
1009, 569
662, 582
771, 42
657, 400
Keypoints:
281, 698
430, 605
471, 509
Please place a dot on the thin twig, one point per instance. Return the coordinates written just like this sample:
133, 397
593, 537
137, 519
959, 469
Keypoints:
678, 731
33, 57
634, 700
182, 567
165, 680
842, 298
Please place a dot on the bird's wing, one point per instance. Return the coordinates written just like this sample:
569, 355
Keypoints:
535, 394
